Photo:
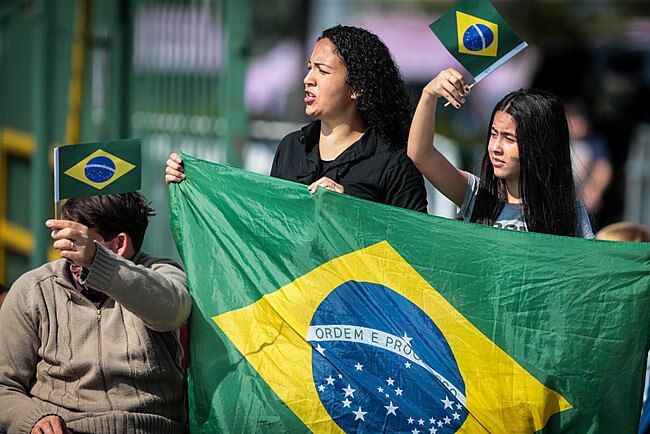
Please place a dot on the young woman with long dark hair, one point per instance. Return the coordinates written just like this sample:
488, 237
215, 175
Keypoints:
357, 142
526, 180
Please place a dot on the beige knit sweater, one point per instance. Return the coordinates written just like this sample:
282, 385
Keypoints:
110, 370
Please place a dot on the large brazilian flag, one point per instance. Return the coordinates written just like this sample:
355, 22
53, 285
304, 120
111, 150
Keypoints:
329, 313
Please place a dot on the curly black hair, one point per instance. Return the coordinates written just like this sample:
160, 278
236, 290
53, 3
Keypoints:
383, 100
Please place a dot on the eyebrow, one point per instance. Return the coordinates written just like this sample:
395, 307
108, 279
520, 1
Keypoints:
319, 64
505, 133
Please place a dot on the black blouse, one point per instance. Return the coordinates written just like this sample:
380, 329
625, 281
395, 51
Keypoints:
369, 169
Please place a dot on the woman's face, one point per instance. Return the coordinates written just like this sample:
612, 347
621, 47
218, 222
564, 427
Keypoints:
503, 148
327, 95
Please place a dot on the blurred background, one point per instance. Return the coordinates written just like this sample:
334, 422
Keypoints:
222, 80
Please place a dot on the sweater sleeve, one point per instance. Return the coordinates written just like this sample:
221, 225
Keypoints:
405, 186
156, 291
19, 344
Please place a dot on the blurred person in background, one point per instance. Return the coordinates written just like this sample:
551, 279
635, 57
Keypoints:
357, 142
526, 182
590, 158
624, 231
90, 342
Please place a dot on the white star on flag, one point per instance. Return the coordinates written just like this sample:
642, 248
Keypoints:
340, 376
390, 382
391, 409
439, 423
346, 403
415, 431
447, 420
407, 339
433, 430
432, 421
321, 388
359, 366
349, 391
398, 391
456, 416
420, 422
410, 420
448, 403
359, 414
329, 380
380, 389
459, 406
407, 364
320, 349
387, 395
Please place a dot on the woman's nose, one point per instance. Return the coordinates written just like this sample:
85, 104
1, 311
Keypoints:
309, 78
495, 145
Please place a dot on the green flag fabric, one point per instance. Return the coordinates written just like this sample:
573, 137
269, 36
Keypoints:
90, 169
476, 35
328, 313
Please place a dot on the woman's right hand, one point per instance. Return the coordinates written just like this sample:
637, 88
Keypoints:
174, 171
450, 85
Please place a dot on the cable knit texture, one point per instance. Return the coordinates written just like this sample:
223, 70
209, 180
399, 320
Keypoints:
112, 370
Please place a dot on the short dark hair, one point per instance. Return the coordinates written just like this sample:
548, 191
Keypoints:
546, 177
111, 214
383, 99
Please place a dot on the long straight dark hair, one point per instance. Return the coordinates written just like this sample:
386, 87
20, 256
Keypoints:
546, 178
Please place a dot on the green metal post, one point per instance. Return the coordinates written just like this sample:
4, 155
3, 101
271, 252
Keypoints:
125, 59
42, 199
236, 19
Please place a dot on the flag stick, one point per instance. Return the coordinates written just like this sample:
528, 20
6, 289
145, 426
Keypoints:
470, 86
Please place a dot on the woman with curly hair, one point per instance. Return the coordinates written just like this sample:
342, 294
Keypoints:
526, 181
357, 142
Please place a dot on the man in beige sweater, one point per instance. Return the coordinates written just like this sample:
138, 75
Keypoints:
89, 343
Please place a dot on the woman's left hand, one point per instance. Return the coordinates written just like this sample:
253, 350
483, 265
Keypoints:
327, 183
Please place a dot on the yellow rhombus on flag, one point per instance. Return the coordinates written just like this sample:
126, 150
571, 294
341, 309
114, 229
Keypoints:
121, 167
279, 337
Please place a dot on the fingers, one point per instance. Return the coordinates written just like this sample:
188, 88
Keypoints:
454, 87
50, 425
177, 158
174, 171
451, 85
73, 240
326, 183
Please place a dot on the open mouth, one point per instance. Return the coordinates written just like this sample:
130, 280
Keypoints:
309, 97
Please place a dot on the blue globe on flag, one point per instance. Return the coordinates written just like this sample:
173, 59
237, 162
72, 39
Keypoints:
478, 37
380, 364
99, 169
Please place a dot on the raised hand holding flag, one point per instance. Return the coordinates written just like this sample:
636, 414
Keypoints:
477, 36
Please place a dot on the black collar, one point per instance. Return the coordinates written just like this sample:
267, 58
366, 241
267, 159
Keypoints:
365, 147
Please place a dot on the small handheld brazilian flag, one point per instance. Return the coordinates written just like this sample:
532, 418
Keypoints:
476, 35
90, 169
